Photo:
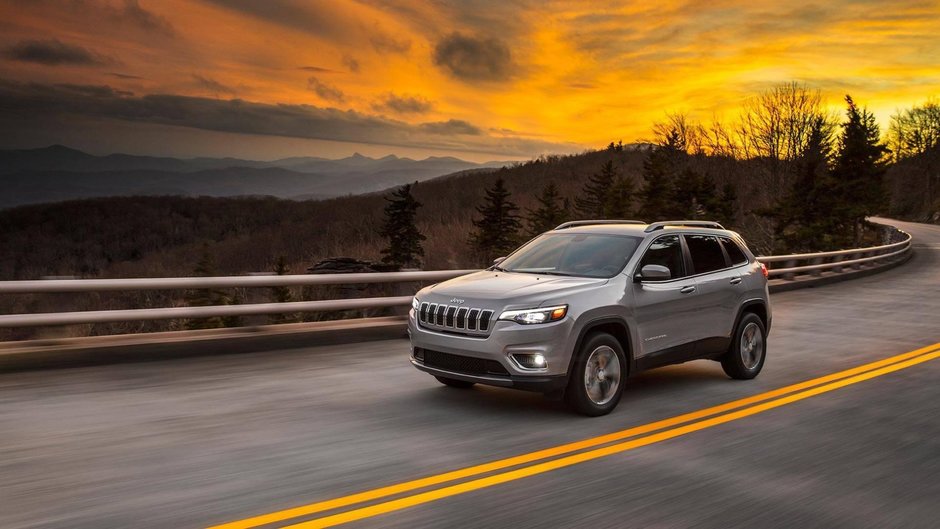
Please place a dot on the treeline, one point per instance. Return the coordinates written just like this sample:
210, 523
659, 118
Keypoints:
817, 179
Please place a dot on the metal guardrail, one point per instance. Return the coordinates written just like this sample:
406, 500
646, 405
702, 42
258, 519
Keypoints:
835, 261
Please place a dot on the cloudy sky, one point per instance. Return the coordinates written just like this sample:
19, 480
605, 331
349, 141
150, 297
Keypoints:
478, 79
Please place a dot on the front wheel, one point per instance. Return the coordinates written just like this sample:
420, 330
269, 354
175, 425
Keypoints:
598, 375
745, 358
454, 383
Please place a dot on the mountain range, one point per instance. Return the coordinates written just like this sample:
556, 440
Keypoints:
58, 173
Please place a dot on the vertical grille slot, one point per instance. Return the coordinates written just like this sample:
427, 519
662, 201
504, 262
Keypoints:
485, 319
462, 318
423, 313
472, 319
439, 319
449, 316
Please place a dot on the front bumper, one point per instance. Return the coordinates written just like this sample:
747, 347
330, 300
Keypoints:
506, 338
542, 384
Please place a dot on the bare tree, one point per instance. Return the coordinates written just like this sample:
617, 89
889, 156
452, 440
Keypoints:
778, 122
914, 130
680, 130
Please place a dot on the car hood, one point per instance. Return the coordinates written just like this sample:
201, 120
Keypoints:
517, 288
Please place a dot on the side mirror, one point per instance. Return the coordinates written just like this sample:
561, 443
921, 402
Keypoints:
653, 272
498, 260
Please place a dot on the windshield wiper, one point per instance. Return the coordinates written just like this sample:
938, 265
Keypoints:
544, 272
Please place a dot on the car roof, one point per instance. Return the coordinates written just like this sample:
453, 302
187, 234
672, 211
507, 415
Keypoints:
639, 230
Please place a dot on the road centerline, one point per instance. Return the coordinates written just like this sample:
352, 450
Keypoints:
719, 414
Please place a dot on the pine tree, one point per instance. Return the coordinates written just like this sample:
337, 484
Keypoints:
860, 167
619, 202
281, 294
727, 206
592, 203
404, 240
694, 196
551, 211
806, 218
205, 297
496, 232
657, 192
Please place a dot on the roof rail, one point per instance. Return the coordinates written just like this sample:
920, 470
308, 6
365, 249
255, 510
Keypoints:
575, 223
697, 223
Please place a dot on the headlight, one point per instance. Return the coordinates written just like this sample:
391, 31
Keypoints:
540, 315
415, 304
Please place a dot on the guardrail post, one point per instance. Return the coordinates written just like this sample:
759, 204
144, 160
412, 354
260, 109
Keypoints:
789, 264
859, 255
836, 259
816, 261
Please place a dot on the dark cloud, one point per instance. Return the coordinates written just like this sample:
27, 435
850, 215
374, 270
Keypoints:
119, 75
95, 91
54, 52
385, 43
404, 104
325, 91
450, 127
212, 85
474, 58
317, 17
350, 62
142, 18
55, 104
317, 69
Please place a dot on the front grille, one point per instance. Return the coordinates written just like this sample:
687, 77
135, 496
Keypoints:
455, 318
461, 364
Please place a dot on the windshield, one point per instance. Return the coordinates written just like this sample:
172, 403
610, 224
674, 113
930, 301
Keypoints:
573, 254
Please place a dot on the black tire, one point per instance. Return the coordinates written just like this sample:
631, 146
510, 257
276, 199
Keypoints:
454, 383
739, 362
577, 393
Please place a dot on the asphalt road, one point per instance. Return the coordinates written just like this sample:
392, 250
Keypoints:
205, 441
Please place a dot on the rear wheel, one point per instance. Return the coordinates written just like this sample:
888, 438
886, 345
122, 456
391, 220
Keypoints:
597, 379
454, 383
745, 358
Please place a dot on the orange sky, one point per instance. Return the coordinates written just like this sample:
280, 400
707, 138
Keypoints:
477, 79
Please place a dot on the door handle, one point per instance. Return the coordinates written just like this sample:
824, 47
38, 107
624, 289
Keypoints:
735, 280
687, 290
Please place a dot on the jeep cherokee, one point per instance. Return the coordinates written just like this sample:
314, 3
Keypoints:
576, 310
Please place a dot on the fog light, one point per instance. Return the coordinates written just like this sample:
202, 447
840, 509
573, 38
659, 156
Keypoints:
530, 360
418, 353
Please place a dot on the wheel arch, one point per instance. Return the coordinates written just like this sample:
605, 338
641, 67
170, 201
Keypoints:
616, 327
756, 306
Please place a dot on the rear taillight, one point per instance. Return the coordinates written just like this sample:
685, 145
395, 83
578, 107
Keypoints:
763, 270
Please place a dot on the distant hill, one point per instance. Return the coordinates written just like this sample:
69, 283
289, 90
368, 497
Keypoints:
59, 173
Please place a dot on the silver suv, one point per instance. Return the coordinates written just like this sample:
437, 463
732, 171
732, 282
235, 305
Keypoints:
576, 310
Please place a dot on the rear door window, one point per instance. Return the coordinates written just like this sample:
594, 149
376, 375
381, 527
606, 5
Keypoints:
706, 253
734, 251
665, 251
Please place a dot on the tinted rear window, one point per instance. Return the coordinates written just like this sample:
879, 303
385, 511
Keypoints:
706, 253
734, 251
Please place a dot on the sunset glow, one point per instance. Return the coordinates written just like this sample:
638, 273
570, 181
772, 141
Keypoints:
476, 79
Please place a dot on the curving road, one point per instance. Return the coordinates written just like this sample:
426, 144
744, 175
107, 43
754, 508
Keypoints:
206, 441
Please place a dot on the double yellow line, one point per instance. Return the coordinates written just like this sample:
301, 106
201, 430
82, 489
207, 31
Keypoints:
577, 452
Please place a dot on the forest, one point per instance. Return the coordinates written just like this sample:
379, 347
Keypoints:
788, 174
